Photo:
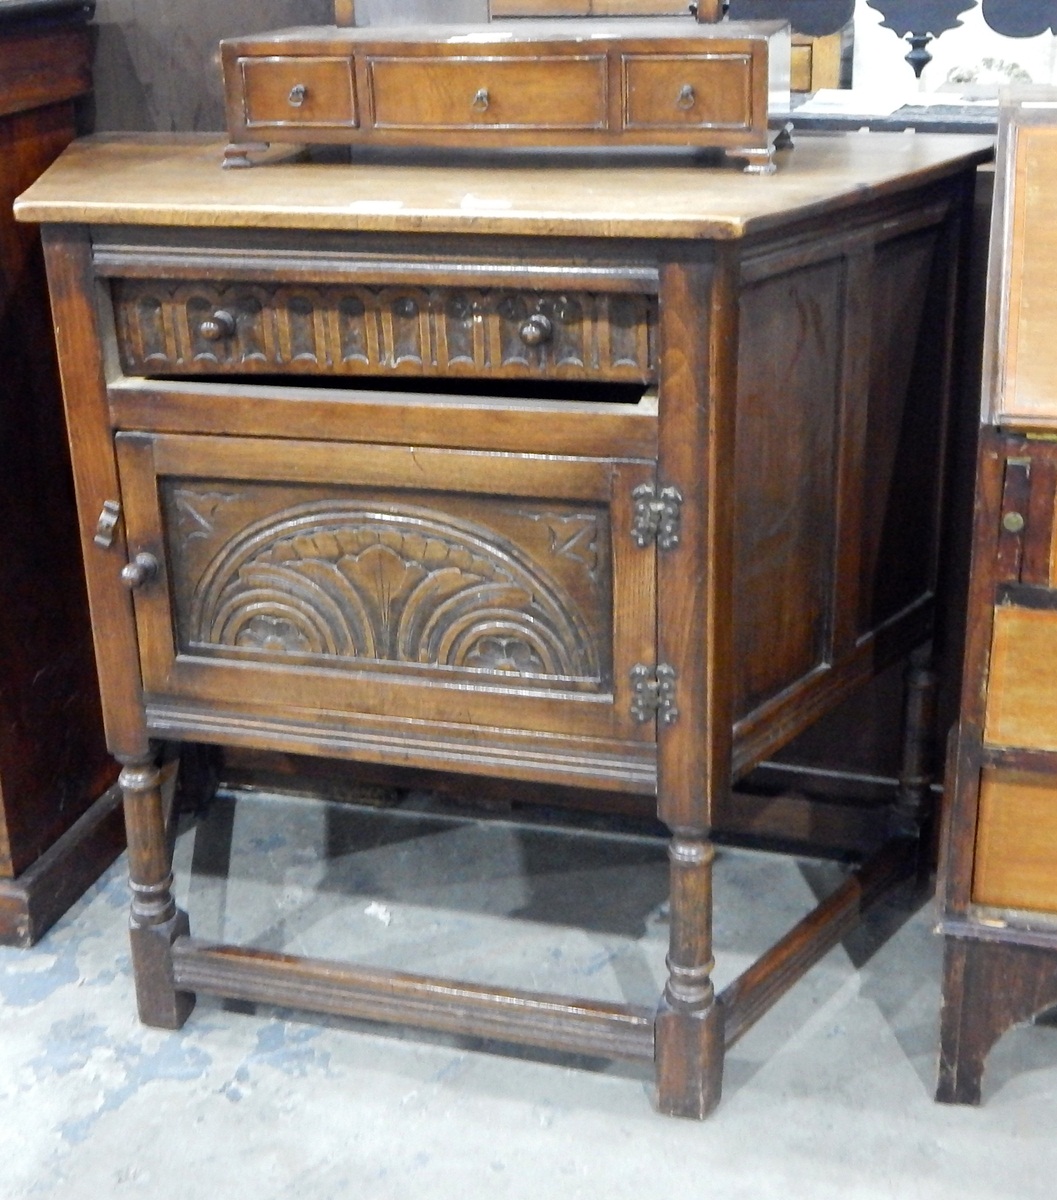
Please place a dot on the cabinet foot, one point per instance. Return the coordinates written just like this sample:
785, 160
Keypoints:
237, 154
155, 922
755, 161
689, 1060
688, 1028
158, 1002
988, 987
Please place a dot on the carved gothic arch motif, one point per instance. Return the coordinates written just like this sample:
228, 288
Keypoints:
389, 583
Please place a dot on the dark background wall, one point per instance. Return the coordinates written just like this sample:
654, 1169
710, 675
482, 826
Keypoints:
156, 60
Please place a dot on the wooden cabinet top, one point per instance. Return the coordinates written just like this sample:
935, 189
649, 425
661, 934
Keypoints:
496, 34
177, 180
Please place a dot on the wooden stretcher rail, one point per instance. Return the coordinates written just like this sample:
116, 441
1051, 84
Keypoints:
534, 1018
770, 976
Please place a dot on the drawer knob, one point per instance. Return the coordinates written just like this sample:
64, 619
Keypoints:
687, 98
219, 326
536, 330
142, 569
298, 94
481, 100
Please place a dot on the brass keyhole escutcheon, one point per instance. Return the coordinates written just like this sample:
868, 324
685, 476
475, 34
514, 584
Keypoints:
481, 100
219, 326
298, 95
686, 99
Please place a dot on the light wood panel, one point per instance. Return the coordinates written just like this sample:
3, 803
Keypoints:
1022, 687
1016, 846
1024, 306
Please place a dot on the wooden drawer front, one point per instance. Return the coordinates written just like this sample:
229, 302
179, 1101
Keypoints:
311, 92
1016, 842
1021, 708
701, 91
419, 584
167, 327
493, 93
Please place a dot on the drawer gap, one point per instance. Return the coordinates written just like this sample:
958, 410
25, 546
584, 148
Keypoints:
529, 390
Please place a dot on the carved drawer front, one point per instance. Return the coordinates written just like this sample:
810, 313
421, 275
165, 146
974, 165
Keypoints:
309, 92
494, 92
174, 327
701, 91
427, 585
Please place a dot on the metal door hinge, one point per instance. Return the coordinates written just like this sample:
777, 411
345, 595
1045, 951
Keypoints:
657, 515
653, 694
107, 523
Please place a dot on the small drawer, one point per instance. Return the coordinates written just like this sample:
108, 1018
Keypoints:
1022, 681
176, 327
312, 92
506, 93
1015, 863
683, 91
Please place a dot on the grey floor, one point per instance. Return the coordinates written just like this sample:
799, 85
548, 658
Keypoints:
828, 1096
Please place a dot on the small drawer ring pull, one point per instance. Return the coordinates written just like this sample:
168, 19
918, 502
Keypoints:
219, 326
481, 100
536, 330
141, 570
686, 98
298, 95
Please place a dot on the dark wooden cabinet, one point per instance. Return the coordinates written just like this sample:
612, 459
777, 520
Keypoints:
56, 834
608, 478
1000, 844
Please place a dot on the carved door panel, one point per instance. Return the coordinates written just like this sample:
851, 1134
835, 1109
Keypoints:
502, 591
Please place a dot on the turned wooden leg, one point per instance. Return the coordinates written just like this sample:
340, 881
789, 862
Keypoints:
689, 1025
155, 921
913, 807
988, 987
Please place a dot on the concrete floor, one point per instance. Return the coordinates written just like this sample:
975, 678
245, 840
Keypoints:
828, 1096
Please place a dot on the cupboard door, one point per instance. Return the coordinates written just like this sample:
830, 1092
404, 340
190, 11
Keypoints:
443, 587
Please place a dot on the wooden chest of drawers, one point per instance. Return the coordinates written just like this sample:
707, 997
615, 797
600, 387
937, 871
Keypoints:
1000, 896
401, 465
59, 820
655, 82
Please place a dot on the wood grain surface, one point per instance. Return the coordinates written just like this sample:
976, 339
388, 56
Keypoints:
144, 180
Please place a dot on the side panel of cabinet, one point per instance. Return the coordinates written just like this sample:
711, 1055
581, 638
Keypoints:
53, 759
844, 370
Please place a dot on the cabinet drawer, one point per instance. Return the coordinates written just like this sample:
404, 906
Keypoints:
1021, 706
1016, 841
175, 327
505, 93
700, 91
310, 92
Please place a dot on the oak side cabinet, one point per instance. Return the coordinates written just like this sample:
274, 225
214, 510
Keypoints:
58, 825
614, 475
